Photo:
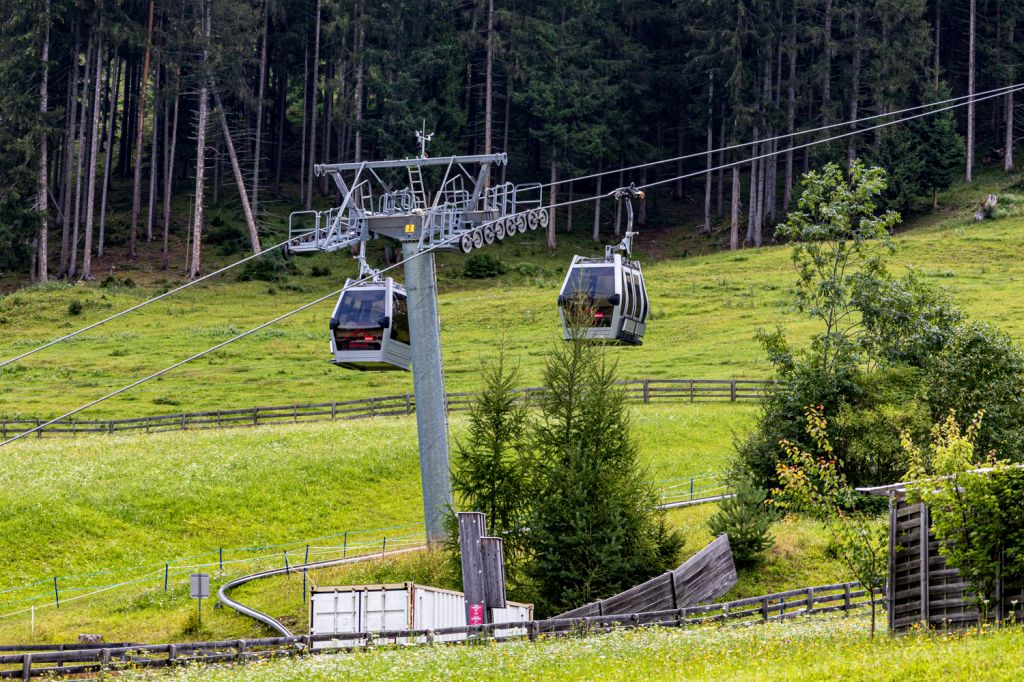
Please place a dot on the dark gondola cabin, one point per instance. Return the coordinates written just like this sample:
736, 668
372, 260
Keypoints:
611, 295
370, 327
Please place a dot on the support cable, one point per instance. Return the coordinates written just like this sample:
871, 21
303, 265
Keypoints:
137, 306
454, 238
995, 92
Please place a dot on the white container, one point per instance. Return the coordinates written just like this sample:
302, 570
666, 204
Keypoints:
403, 606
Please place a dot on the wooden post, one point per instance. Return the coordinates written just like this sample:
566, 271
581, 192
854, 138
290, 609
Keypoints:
39, 432
764, 608
732, 390
691, 390
255, 416
923, 555
810, 599
295, 412
890, 590
408, 404
846, 599
373, 407
471, 529
184, 419
26, 667
493, 562
334, 410
647, 391
172, 653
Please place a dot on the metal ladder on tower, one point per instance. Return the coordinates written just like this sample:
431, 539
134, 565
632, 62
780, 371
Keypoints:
419, 195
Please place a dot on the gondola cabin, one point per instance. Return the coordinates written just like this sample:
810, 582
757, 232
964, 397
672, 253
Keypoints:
612, 297
370, 327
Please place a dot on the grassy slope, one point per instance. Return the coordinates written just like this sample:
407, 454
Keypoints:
706, 310
125, 501
822, 648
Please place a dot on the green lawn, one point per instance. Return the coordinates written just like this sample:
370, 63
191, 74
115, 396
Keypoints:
820, 648
706, 310
110, 503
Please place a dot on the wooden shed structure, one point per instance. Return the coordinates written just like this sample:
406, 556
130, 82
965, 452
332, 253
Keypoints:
921, 588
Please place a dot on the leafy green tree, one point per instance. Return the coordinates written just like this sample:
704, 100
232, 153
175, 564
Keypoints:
813, 482
831, 230
977, 515
747, 520
593, 527
981, 369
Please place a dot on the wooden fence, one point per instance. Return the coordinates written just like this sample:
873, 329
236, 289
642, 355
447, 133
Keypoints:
638, 390
707, 575
69, 659
922, 588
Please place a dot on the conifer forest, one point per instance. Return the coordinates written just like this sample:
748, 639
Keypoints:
123, 121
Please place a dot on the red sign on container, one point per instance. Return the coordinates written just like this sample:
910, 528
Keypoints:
476, 614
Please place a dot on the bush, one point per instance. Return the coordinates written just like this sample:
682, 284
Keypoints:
320, 271
482, 266
112, 282
269, 268
75, 307
981, 369
228, 239
747, 520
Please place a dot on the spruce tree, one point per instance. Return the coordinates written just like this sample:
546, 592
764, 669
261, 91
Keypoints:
747, 521
489, 473
593, 528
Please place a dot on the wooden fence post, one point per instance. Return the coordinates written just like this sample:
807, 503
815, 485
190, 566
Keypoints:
5, 429
184, 421
647, 391
846, 599
732, 390
39, 433
373, 407
923, 530
764, 608
408, 404
295, 413
255, 416
810, 600
334, 410
691, 390
26, 667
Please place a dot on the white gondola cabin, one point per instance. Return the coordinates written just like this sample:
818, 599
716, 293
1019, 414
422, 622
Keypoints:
610, 294
370, 327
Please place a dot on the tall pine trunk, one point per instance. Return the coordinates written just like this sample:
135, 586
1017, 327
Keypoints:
710, 155
250, 221
734, 222
153, 153
77, 213
139, 122
69, 158
851, 145
255, 192
970, 93
94, 151
112, 100
489, 85
552, 200
787, 192
169, 176
42, 200
315, 86
198, 212
358, 94
1008, 141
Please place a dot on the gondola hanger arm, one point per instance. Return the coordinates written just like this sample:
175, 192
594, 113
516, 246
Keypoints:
626, 194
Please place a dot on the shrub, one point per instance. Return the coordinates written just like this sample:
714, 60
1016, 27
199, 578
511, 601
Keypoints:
482, 266
747, 520
269, 268
75, 307
981, 369
113, 282
320, 271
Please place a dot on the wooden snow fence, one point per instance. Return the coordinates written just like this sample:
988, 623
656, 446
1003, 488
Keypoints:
707, 575
921, 588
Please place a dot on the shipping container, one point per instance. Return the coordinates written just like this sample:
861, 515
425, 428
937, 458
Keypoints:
402, 606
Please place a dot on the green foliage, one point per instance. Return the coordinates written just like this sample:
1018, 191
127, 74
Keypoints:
977, 515
319, 271
593, 530
110, 282
482, 266
747, 520
814, 483
982, 369
269, 268
75, 307
491, 472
